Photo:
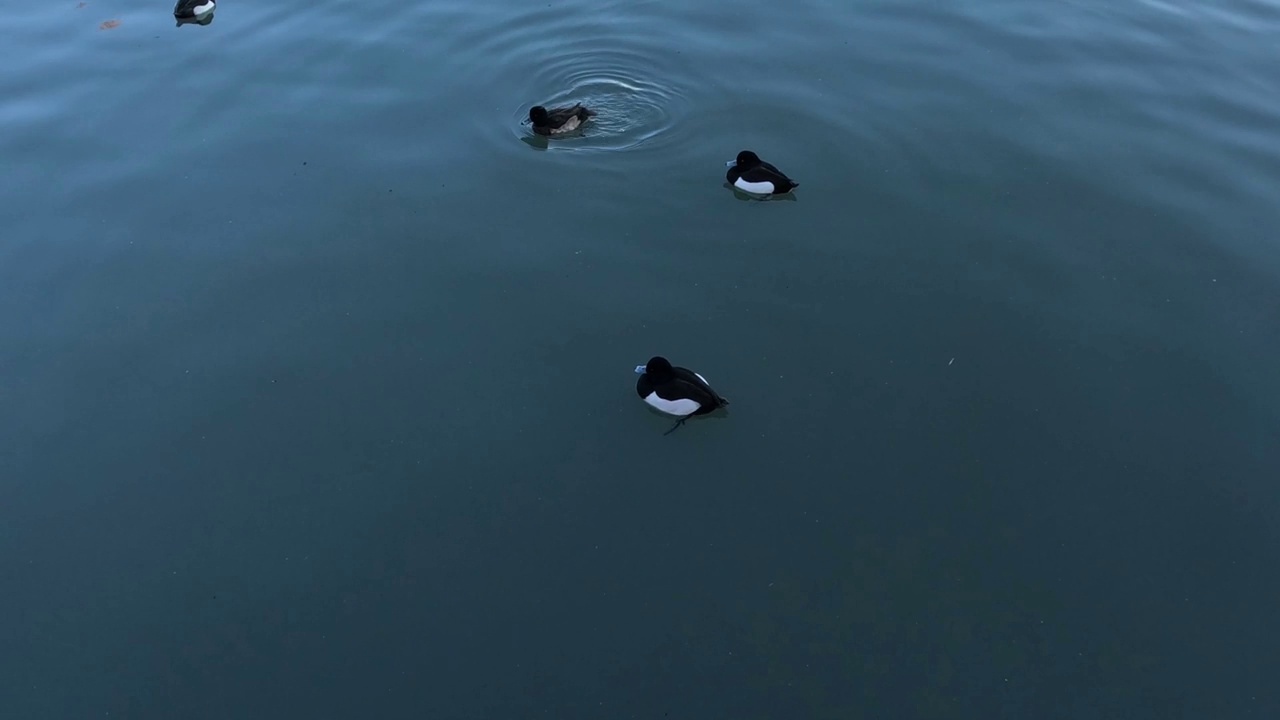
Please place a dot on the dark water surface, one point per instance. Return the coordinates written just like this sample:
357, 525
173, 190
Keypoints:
315, 370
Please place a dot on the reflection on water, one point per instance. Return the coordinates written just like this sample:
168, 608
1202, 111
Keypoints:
738, 194
536, 141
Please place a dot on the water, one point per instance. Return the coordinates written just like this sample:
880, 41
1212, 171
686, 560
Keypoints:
316, 370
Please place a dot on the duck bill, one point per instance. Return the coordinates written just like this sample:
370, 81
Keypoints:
640, 369
731, 163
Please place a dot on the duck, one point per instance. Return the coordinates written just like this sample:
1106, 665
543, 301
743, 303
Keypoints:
750, 174
186, 9
205, 19
676, 391
557, 120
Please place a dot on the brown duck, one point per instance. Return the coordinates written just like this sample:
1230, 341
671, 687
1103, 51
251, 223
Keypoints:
558, 120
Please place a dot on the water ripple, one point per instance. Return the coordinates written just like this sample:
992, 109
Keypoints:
609, 61
631, 110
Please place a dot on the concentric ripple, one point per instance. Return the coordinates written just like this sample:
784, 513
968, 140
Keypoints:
632, 106
612, 59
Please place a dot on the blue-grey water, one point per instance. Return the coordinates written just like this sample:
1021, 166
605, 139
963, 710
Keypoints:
316, 390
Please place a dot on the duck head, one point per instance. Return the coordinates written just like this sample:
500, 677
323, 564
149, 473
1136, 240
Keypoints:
745, 159
658, 368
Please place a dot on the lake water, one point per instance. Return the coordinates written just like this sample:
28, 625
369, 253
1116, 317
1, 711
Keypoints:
316, 389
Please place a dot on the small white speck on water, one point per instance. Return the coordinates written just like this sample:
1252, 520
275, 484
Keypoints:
949, 363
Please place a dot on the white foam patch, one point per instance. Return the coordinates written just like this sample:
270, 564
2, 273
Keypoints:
681, 407
757, 188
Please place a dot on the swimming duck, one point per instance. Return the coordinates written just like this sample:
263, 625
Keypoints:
192, 8
676, 391
558, 120
750, 174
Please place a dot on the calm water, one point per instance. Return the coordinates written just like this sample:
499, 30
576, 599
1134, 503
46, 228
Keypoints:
316, 391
